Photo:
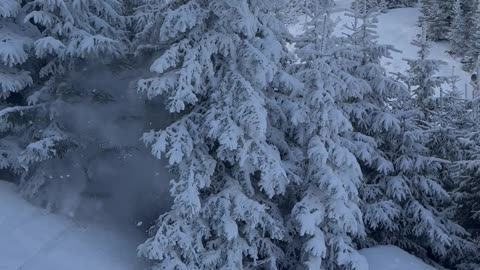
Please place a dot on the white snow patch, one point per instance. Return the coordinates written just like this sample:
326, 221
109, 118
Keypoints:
393, 258
399, 27
33, 239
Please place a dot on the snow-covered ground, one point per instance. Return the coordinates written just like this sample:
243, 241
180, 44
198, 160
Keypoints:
399, 27
392, 258
33, 239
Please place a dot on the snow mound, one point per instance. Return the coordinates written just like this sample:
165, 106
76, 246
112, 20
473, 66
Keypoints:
392, 258
33, 239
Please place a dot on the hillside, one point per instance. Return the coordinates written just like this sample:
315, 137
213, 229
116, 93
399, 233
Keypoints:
398, 27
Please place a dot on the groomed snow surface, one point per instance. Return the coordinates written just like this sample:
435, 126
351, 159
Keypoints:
33, 239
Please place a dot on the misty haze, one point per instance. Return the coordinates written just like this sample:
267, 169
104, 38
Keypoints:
239, 134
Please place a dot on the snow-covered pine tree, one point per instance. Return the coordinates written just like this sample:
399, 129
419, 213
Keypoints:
426, 10
16, 42
466, 176
448, 125
326, 216
421, 77
73, 34
443, 22
370, 5
381, 5
470, 58
463, 30
404, 199
78, 30
461, 116
422, 164
221, 71
146, 22
425, 227
400, 3
366, 102
457, 34
450, 140
437, 16
293, 12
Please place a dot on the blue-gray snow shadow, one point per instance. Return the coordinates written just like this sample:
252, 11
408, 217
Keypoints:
123, 184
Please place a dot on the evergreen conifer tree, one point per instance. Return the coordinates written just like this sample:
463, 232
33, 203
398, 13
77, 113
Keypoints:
367, 106
16, 42
222, 72
72, 35
369, 5
400, 3
403, 195
463, 176
420, 75
437, 16
383, 5
427, 202
457, 34
326, 216
470, 58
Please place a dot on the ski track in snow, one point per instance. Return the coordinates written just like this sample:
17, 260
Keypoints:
32, 262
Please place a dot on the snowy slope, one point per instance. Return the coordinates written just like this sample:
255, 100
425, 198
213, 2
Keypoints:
32, 239
398, 27
392, 258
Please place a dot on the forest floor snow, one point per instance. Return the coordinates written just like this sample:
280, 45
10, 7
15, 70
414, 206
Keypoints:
33, 239
392, 258
399, 27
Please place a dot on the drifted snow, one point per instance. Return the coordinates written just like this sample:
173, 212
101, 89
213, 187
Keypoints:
393, 258
33, 239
